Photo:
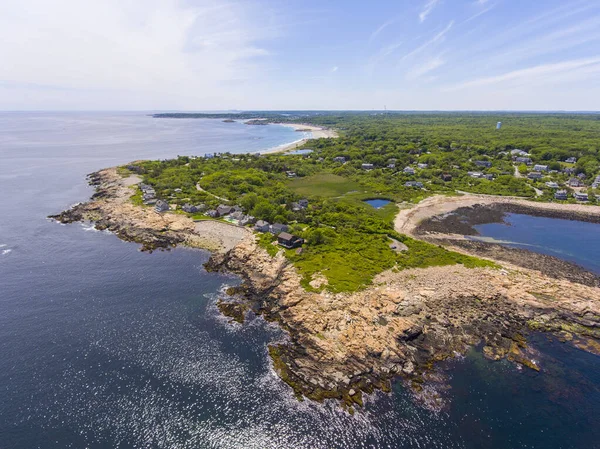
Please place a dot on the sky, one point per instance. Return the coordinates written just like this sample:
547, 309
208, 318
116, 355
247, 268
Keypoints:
202, 55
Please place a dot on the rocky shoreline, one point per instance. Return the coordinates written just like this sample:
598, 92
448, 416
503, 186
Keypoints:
343, 345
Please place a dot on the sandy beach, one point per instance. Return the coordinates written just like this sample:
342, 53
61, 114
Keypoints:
316, 131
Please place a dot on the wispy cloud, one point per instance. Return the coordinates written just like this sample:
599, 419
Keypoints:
334, 69
381, 55
429, 6
532, 74
437, 38
382, 27
418, 71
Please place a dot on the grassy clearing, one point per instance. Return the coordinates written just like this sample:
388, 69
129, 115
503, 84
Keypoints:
325, 185
422, 255
265, 240
349, 262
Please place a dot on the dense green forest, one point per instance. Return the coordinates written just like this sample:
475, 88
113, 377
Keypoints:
347, 240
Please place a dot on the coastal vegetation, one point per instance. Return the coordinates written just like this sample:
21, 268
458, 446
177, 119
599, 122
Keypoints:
399, 157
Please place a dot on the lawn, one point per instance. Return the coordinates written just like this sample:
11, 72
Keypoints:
325, 185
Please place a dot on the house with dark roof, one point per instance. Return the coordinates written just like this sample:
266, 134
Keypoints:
277, 228
486, 164
409, 170
575, 182
571, 160
367, 166
538, 167
341, 159
262, 226
561, 195
161, 206
289, 241
223, 210
580, 196
191, 209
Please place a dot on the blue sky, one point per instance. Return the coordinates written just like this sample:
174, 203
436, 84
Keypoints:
262, 54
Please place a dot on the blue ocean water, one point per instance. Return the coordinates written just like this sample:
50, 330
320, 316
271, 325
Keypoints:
103, 346
575, 241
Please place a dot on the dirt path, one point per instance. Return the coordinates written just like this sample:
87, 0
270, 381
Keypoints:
200, 189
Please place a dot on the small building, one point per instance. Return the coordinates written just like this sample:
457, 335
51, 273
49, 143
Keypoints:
190, 209
422, 166
475, 174
446, 177
535, 175
538, 167
303, 203
291, 174
552, 185
246, 220
278, 228
517, 152
223, 210
289, 241
416, 184
136, 169
523, 160
177, 190
575, 182
237, 215
561, 195
580, 196
569, 170
409, 170
571, 160
161, 206
489, 177
212, 213
262, 226
391, 166
341, 159
367, 166
486, 164
581, 175
499, 125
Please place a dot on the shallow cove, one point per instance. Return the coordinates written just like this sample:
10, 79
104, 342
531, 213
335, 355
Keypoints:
574, 241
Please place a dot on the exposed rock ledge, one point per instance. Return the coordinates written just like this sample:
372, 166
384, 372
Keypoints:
341, 345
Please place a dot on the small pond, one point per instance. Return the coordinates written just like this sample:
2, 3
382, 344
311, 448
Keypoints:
296, 152
377, 203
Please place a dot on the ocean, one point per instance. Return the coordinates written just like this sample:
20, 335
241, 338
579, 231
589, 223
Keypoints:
103, 346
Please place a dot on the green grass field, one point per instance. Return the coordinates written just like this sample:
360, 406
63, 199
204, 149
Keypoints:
325, 185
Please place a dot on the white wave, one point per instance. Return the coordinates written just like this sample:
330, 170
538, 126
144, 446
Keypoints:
6, 251
2, 245
89, 227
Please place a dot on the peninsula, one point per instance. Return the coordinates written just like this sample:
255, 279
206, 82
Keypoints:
367, 294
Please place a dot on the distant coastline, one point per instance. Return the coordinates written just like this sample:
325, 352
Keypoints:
317, 132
